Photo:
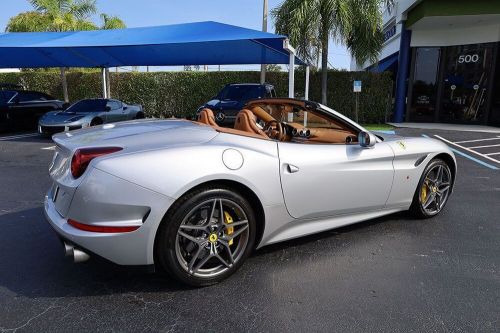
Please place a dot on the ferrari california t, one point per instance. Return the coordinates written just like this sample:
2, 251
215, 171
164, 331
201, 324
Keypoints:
88, 112
195, 199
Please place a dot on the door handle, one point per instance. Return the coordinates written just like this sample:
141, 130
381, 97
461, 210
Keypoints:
291, 168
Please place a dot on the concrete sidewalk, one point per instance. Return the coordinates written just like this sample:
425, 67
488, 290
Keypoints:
449, 127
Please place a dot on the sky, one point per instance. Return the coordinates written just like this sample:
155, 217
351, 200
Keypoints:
245, 13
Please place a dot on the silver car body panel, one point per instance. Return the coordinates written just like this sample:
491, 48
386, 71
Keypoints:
335, 185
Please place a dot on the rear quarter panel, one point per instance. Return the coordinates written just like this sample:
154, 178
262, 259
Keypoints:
174, 171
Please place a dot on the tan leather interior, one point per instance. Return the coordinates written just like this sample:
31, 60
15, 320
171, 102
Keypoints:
239, 132
207, 117
328, 135
246, 121
262, 114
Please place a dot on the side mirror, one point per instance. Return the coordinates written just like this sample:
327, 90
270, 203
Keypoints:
366, 139
107, 108
125, 107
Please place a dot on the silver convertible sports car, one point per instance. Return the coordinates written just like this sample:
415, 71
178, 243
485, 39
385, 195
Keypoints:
194, 199
88, 112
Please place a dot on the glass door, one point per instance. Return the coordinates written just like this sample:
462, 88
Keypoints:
465, 86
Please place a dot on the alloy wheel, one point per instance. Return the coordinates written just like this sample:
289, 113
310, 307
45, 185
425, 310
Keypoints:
435, 189
212, 238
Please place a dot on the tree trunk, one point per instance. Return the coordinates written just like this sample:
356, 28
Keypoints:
64, 84
324, 68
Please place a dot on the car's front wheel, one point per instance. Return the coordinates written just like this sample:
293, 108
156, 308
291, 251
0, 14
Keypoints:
206, 236
433, 190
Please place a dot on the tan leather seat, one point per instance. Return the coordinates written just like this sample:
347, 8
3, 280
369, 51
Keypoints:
247, 122
206, 116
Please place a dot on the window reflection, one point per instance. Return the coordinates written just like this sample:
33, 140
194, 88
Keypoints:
424, 93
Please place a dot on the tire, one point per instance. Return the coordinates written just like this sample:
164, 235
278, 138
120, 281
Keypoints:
96, 121
428, 188
194, 260
139, 115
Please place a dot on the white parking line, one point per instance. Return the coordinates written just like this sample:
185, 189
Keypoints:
478, 140
477, 147
19, 136
468, 149
49, 148
490, 154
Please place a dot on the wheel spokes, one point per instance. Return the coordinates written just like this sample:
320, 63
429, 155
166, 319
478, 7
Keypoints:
213, 242
236, 233
189, 237
195, 257
429, 200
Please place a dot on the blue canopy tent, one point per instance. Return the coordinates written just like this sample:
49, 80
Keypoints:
201, 43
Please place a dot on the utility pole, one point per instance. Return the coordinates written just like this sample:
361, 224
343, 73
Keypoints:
264, 29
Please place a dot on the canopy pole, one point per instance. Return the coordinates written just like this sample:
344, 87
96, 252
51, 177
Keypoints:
104, 83
306, 92
291, 73
291, 76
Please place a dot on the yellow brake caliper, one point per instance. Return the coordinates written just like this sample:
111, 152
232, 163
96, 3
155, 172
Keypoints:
229, 230
423, 193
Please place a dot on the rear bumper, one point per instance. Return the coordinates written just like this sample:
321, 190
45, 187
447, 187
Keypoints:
93, 206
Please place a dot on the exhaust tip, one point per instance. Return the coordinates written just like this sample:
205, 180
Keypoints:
80, 256
68, 250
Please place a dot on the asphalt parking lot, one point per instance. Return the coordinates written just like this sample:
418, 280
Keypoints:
392, 274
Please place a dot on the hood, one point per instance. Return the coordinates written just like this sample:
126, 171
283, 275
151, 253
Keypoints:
217, 104
62, 116
137, 135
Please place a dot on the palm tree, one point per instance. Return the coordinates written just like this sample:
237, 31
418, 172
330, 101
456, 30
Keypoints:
111, 22
310, 24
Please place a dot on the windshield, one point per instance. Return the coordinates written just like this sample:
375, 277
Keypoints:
88, 105
238, 93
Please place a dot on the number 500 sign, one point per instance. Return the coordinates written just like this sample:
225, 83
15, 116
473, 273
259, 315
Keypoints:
468, 58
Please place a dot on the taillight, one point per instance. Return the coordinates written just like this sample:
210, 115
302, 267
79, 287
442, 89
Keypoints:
104, 229
82, 157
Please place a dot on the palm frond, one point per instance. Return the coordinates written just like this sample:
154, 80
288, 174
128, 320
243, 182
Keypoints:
298, 19
111, 22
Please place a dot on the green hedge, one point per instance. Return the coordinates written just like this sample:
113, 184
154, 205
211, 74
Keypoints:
179, 94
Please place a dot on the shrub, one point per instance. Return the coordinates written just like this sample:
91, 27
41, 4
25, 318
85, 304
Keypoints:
179, 94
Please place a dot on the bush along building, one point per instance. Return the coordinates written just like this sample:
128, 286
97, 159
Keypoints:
445, 60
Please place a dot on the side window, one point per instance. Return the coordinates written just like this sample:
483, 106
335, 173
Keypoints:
114, 105
6, 96
29, 97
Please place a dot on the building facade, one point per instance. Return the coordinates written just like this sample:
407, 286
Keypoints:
445, 60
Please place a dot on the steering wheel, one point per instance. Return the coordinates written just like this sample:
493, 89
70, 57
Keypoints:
275, 130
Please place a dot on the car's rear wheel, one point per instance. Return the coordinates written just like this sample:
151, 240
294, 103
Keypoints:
206, 236
139, 115
433, 190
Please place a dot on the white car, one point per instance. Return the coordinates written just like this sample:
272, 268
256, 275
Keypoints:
195, 199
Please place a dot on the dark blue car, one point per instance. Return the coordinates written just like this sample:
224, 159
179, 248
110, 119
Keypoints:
231, 99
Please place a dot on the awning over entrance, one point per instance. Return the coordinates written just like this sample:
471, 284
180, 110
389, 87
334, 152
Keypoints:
202, 43
388, 63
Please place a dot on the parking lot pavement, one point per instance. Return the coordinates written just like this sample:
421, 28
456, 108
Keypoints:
391, 274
